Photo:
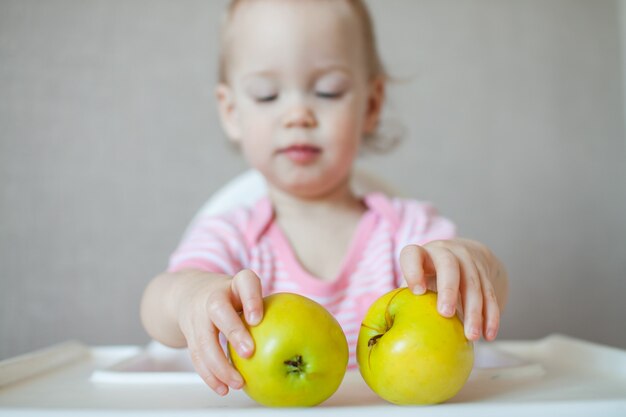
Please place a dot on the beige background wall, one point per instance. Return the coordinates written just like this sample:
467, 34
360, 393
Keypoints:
109, 142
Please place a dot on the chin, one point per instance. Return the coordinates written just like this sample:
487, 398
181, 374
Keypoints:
309, 187
305, 190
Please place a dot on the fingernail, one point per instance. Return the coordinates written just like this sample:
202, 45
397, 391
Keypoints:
446, 309
236, 382
244, 348
491, 334
222, 390
418, 289
473, 333
253, 318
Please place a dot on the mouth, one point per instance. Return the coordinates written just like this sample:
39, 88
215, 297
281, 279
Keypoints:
301, 154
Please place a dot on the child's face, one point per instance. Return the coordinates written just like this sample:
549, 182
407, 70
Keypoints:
298, 99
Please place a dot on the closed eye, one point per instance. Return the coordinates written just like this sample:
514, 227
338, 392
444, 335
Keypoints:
266, 99
328, 95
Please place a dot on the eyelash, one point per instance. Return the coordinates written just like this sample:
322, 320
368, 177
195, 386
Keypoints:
269, 99
329, 95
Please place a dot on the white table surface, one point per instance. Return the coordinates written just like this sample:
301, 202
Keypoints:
578, 378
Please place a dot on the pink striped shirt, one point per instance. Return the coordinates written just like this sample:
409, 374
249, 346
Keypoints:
250, 238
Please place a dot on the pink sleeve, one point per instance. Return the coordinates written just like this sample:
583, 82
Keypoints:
213, 244
419, 223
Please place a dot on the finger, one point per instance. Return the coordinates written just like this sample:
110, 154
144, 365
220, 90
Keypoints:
246, 287
491, 310
471, 298
448, 278
197, 351
219, 387
412, 265
223, 315
218, 363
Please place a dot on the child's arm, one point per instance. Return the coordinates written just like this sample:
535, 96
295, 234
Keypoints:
460, 267
190, 308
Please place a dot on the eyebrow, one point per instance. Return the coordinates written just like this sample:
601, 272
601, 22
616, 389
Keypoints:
320, 69
257, 73
332, 67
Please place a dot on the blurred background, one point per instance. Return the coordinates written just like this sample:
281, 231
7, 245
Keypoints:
513, 113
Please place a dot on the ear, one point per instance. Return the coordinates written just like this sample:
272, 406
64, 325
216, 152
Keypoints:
228, 112
375, 101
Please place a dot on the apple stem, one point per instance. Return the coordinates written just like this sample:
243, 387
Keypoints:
376, 329
373, 340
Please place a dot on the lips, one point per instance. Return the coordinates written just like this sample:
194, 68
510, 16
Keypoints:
301, 153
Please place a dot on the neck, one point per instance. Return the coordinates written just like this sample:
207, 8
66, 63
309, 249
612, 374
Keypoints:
339, 199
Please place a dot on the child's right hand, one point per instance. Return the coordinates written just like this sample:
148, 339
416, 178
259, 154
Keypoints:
211, 308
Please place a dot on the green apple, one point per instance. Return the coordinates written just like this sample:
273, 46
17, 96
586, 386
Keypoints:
409, 354
300, 357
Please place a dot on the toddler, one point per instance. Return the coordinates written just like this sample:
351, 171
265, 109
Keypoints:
301, 88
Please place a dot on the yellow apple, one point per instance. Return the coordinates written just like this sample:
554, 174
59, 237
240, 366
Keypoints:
300, 356
409, 354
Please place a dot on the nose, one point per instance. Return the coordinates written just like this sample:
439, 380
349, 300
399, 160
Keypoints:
300, 116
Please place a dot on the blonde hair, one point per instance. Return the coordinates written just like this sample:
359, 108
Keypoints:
375, 141
374, 63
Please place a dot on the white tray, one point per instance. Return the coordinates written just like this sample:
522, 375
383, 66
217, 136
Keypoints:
159, 364
557, 375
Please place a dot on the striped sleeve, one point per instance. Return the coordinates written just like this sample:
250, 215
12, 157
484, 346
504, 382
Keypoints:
213, 244
419, 223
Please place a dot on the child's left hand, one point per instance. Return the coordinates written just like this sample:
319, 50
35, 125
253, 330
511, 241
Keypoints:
459, 267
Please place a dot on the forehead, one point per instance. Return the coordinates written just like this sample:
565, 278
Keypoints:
293, 34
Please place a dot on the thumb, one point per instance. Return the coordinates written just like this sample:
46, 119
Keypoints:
412, 260
246, 287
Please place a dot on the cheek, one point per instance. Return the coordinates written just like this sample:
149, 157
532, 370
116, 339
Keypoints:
256, 126
257, 131
346, 124
251, 117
